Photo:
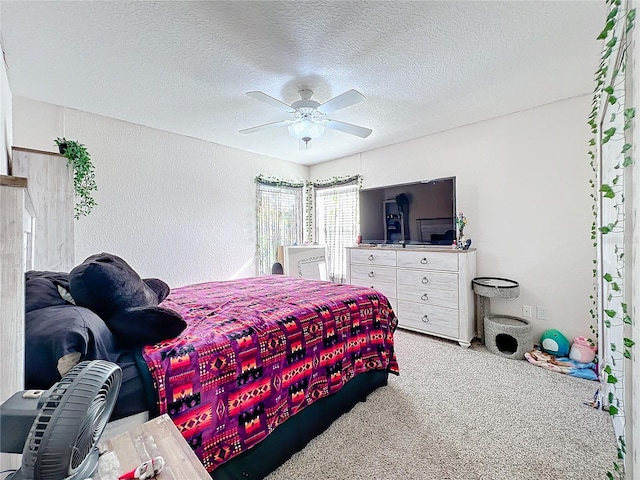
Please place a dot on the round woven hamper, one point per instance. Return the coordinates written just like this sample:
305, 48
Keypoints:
508, 336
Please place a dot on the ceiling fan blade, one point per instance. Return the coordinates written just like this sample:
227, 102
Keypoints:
274, 102
349, 128
266, 126
343, 100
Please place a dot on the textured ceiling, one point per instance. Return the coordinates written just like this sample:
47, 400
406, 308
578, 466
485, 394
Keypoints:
185, 67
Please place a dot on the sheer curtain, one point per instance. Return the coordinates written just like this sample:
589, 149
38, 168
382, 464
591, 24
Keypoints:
280, 219
337, 219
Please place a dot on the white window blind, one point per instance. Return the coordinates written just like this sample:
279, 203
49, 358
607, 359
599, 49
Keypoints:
279, 221
337, 220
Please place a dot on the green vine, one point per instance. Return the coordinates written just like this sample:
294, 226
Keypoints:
278, 182
615, 312
309, 217
336, 181
84, 183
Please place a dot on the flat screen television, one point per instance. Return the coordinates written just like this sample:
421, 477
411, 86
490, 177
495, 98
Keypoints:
421, 213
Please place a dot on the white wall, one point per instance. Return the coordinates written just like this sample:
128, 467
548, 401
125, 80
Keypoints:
522, 182
174, 207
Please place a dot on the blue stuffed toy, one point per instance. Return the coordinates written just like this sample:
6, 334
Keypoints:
555, 343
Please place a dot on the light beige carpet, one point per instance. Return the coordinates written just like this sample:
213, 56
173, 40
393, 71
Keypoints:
456, 413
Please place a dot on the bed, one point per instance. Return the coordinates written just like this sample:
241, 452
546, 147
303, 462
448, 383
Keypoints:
263, 365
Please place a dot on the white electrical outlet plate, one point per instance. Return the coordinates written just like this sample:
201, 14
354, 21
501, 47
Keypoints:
526, 311
541, 313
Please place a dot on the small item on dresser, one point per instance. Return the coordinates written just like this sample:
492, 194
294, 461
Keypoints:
146, 470
463, 242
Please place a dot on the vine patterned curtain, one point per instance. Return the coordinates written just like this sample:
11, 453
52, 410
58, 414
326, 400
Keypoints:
337, 221
280, 217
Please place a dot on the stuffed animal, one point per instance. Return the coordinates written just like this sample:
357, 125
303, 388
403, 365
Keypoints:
582, 350
555, 343
107, 285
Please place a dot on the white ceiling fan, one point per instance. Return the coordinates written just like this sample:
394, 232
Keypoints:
310, 117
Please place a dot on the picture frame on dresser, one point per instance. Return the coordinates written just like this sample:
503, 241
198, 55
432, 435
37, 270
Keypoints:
429, 288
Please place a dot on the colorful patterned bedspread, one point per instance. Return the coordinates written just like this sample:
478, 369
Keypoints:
258, 350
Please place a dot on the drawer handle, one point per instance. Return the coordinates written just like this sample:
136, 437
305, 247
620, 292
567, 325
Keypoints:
425, 280
371, 257
425, 297
425, 319
423, 261
370, 274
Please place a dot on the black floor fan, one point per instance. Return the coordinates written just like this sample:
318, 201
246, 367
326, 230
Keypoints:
59, 430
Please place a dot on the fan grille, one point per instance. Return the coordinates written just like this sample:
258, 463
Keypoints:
65, 433
94, 423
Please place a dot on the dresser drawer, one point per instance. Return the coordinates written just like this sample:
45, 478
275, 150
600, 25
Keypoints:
374, 257
388, 289
363, 274
429, 319
429, 260
428, 279
427, 296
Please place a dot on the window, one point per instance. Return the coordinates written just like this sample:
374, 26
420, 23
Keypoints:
279, 219
336, 211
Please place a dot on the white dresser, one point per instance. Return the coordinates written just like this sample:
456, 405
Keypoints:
429, 287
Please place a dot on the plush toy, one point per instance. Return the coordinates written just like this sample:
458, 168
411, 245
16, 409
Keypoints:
582, 350
555, 343
107, 285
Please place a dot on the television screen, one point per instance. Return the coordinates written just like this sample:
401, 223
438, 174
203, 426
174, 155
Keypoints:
421, 213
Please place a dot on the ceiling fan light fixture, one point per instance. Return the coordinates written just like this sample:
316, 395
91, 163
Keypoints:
306, 128
309, 117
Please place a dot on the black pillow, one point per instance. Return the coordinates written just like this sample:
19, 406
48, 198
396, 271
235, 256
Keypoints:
42, 289
59, 277
58, 337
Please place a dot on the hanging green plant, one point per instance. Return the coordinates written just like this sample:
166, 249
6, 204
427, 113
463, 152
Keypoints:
608, 195
84, 183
